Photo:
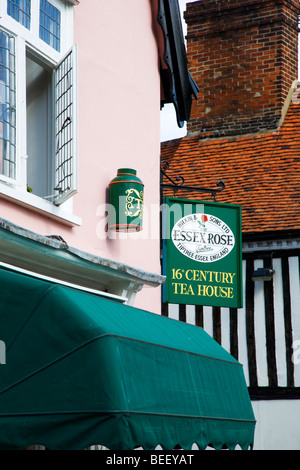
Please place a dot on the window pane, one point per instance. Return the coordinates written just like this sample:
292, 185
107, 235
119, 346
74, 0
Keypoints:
20, 11
7, 106
50, 24
39, 127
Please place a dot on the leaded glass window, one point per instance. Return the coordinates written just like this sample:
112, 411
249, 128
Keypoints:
20, 11
64, 84
50, 22
7, 106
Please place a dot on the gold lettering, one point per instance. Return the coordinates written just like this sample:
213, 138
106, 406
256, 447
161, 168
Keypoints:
223, 291
175, 288
182, 288
209, 291
190, 290
201, 290
218, 277
217, 291
214, 283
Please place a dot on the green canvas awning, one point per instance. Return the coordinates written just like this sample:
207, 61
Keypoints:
83, 370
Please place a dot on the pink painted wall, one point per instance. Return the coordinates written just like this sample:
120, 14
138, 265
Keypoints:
118, 124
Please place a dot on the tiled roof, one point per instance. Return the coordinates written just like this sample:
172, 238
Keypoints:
261, 172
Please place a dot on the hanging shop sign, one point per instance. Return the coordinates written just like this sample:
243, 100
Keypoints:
202, 253
126, 197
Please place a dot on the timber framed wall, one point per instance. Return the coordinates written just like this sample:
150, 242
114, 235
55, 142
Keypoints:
264, 335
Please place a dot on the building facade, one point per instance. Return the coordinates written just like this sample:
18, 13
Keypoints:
81, 87
65, 96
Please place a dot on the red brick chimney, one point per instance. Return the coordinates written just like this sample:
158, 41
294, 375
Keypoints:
243, 54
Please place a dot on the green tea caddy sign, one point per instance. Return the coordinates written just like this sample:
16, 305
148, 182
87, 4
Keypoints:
202, 253
126, 198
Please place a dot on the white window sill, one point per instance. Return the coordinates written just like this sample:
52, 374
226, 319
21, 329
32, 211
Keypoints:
37, 204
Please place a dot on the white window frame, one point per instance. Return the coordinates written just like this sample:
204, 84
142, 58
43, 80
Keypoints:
30, 40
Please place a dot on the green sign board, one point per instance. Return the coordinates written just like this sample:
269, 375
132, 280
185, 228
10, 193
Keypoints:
202, 253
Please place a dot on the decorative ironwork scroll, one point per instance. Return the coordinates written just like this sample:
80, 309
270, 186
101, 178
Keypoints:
177, 183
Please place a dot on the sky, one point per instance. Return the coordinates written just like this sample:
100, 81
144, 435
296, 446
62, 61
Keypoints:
168, 125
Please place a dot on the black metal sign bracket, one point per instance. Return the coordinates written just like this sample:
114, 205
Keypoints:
178, 183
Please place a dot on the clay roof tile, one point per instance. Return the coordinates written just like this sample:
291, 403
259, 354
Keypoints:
261, 172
